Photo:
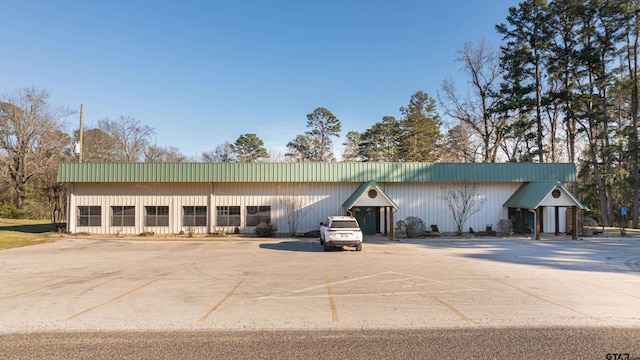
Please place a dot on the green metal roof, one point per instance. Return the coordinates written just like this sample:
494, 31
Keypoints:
362, 189
531, 195
314, 172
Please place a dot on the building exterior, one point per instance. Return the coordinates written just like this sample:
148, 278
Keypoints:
167, 198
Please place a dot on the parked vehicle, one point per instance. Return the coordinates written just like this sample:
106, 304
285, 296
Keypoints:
340, 231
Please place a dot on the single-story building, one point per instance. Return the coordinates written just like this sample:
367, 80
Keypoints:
167, 198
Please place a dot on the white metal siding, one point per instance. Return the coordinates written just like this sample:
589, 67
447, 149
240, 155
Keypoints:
548, 219
174, 195
425, 201
319, 201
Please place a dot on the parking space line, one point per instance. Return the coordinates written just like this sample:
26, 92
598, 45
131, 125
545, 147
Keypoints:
547, 300
454, 310
206, 316
332, 303
34, 290
110, 301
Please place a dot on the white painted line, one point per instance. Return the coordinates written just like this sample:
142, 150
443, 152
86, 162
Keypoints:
405, 279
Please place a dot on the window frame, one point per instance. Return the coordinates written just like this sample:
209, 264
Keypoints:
257, 214
156, 216
196, 216
123, 219
89, 215
228, 215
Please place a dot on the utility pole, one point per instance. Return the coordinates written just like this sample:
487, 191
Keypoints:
81, 132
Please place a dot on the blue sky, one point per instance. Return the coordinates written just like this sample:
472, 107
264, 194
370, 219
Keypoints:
204, 72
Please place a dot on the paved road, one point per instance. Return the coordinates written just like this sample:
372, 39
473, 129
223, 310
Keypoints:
289, 290
511, 343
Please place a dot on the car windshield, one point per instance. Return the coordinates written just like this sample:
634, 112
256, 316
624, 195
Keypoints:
344, 224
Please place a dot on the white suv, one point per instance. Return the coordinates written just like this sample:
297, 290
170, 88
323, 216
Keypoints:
340, 231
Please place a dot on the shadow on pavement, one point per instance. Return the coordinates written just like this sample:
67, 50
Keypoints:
601, 255
296, 246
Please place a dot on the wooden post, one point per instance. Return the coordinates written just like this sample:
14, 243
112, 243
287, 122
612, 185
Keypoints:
391, 234
538, 222
574, 222
385, 220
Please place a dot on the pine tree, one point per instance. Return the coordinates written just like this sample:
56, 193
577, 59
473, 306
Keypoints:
324, 125
249, 148
420, 127
527, 39
381, 142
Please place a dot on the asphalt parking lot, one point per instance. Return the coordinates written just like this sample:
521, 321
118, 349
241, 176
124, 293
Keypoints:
78, 284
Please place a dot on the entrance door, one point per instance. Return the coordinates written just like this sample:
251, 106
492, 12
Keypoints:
515, 215
367, 219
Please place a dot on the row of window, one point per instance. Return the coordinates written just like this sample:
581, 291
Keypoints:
159, 215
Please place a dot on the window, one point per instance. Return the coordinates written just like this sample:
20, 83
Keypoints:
258, 214
156, 216
228, 216
123, 216
89, 216
344, 224
194, 216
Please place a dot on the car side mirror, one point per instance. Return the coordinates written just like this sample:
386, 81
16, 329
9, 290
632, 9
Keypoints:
321, 224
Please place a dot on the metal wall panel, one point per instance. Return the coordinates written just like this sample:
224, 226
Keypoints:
548, 215
174, 195
320, 200
426, 203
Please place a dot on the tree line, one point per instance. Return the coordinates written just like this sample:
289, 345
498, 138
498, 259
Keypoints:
561, 87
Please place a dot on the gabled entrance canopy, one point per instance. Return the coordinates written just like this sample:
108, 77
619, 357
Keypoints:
535, 195
370, 194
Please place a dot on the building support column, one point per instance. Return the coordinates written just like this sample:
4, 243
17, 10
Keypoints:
384, 216
212, 212
574, 222
538, 222
391, 234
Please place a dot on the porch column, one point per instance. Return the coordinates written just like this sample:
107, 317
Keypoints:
574, 222
391, 235
557, 213
538, 222
386, 224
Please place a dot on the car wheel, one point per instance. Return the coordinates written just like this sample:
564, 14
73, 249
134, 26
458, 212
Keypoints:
321, 241
359, 247
327, 247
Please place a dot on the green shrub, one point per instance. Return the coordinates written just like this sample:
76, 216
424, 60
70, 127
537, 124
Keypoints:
411, 227
9, 211
266, 229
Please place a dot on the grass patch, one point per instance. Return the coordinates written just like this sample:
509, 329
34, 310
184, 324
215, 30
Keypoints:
16, 233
